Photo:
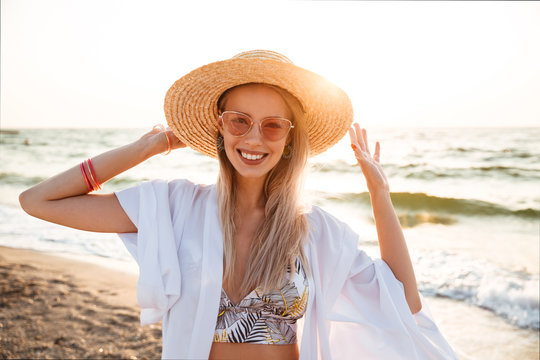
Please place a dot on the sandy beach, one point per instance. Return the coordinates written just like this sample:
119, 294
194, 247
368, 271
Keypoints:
56, 307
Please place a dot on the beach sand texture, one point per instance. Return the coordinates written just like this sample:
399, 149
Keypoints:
53, 307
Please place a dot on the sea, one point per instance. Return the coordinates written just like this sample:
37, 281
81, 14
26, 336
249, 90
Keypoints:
468, 200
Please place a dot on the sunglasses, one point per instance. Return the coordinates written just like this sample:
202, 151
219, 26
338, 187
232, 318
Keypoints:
239, 124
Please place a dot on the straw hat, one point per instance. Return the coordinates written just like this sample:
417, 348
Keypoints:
191, 102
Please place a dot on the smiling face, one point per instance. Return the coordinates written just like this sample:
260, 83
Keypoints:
252, 155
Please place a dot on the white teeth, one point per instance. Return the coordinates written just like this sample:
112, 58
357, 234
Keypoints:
251, 156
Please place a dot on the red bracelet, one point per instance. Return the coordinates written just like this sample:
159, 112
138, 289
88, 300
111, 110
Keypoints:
85, 178
93, 174
89, 175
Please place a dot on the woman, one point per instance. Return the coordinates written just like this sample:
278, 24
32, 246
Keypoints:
231, 268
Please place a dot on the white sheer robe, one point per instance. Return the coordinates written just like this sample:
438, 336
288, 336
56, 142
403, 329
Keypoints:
356, 307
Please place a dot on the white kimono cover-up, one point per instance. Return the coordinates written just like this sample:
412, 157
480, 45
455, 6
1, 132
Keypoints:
356, 307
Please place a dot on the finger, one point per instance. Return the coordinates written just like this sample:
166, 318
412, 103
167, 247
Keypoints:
354, 141
351, 136
354, 144
359, 136
364, 136
358, 153
377, 151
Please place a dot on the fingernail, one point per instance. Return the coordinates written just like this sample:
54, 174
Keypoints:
353, 146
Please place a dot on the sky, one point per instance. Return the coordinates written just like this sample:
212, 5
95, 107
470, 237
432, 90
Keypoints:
109, 63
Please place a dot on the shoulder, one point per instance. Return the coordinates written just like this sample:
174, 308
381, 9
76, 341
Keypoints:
319, 218
178, 187
172, 191
163, 189
317, 213
184, 187
328, 227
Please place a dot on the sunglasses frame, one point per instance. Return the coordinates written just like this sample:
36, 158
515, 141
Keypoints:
252, 122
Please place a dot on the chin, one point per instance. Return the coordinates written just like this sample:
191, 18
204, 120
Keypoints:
250, 174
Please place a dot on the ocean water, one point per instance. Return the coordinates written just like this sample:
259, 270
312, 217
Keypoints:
468, 201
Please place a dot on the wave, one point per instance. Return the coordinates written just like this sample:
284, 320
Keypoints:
18, 179
334, 166
499, 153
469, 172
426, 171
421, 207
512, 295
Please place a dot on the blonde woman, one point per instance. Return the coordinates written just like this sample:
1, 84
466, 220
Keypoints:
241, 269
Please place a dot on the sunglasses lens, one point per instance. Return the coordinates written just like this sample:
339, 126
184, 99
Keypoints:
275, 129
236, 124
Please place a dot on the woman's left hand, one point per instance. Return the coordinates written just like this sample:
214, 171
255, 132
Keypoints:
371, 168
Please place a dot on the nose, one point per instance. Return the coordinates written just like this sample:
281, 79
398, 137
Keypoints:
254, 135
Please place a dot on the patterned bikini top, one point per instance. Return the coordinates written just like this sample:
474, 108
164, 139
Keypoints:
264, 318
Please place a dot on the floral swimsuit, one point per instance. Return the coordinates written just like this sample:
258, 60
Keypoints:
264, 318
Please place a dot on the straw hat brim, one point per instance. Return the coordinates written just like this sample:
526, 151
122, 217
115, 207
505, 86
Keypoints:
191, 102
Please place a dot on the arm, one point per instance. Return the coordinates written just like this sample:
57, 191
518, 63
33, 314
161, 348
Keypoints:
393, 246
63, 199
391, 240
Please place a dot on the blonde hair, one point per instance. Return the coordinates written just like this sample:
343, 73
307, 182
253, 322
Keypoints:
281, 236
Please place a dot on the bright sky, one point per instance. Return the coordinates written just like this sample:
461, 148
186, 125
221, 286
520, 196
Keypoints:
109, 63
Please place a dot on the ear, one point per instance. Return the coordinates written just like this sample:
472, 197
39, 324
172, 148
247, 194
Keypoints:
220, 125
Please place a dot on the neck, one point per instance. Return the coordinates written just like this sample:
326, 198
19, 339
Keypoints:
250, 193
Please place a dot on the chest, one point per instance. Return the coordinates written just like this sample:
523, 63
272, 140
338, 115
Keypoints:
246, 228
233, 291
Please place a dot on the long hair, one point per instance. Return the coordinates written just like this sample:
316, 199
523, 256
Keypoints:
280, 237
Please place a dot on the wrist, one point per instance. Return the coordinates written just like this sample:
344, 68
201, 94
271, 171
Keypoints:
149, 147
379, 193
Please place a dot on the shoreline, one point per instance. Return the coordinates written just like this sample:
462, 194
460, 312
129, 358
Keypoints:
64, 306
